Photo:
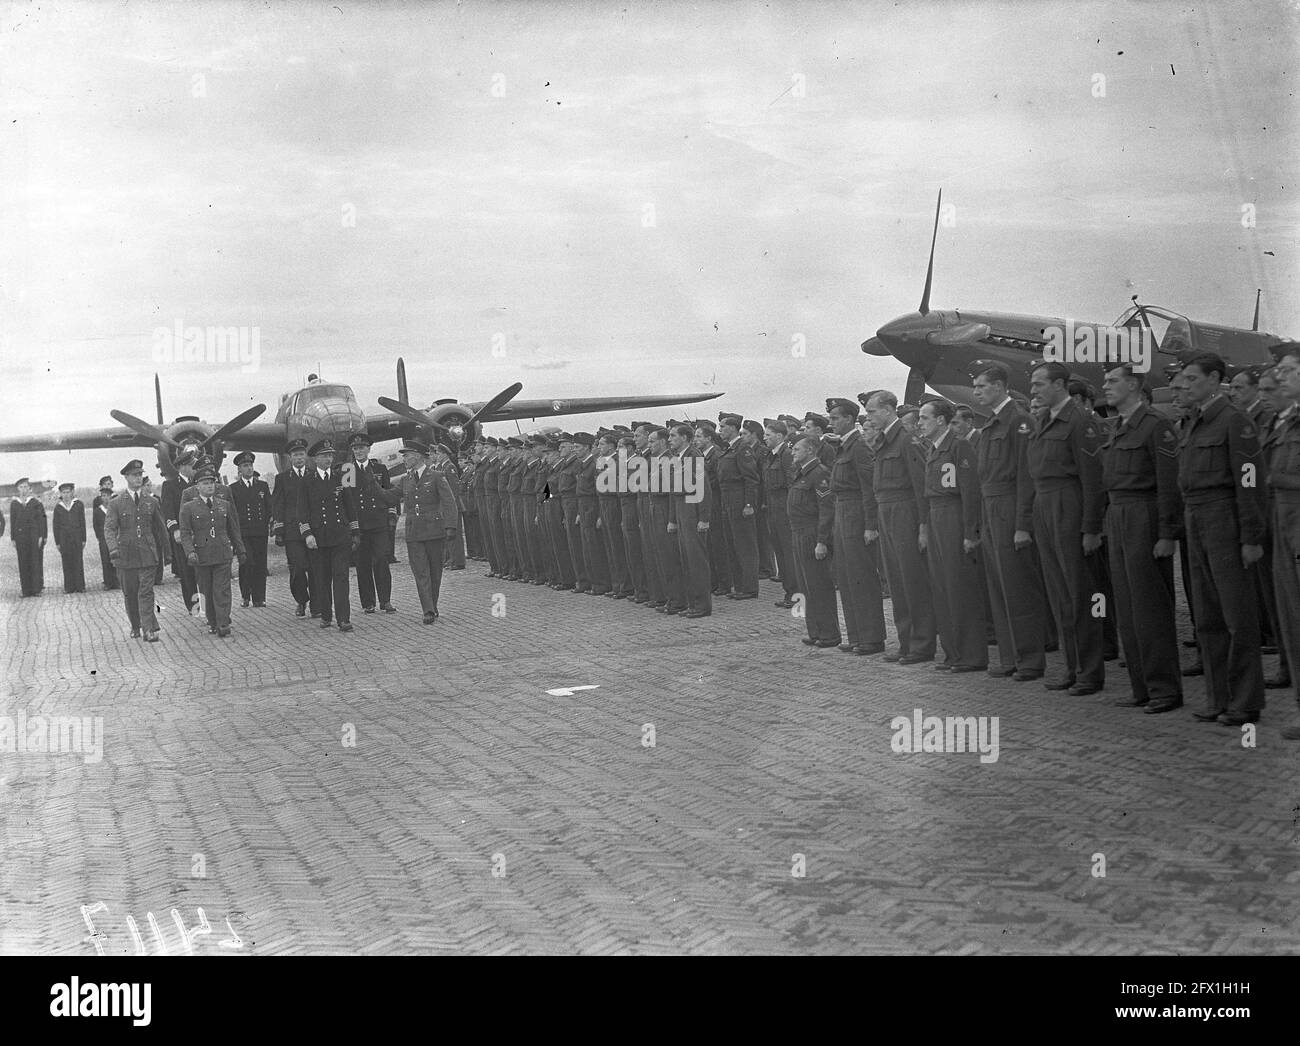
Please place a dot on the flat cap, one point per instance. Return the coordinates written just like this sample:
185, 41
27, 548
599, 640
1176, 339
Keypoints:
416, 445
295, 444
67, 486
245, 457
134, 465
321, 446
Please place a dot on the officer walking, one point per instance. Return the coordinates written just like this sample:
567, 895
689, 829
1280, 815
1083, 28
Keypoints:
27, 530
811, 509
430, 511
332, 533
1143, 527
252, 501
70, 538
210, 537
288, 527
374, 579
98, 513
136, 536
1219, 472
173, 488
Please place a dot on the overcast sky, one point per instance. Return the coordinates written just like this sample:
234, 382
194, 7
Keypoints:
635, 198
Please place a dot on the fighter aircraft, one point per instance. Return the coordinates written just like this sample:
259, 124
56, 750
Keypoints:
322, 409
938, 346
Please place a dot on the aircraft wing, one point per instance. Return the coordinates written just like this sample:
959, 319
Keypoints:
85, 439
518, 410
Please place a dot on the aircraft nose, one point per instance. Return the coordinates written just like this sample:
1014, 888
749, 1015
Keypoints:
912, 327
875, 347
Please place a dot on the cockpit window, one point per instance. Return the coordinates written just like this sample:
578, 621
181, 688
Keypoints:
316, 392
1161, 321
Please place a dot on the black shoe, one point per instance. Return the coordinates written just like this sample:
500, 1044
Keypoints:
956, 669
1130, 702
696, 613
805, 641
151, 637
135, 633
1026, 677
1060, 684
1189, 642
258, 605
1238, 719
388, 608
943, 668
326, 622
915, 659
1268, 649
1197, 669
367, 610
1277, 682
429, 619
316, 614
868, 649
1084, 689
301, 611
244, 603
1156, 707
895, 656
785, 603
223, 633
1001, 673
345, 626
824, 643
745, 595
1206, 717
1051, 648
212, 630
672, 610
847, 647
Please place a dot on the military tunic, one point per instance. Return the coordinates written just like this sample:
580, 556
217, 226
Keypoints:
136, 537
810, 505
952, 493
252, 500
854, 566
70, 537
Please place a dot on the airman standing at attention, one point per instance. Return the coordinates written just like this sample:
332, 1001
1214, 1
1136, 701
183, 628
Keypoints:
593, 545
27, 530
610, 518
70, 538
654, 579
854, 571
1224, 519
811, 509
894, 515
490, 513
707, 444
99, 512
469, 498
667, 549
506, 518
454, 548
374, 578
136, 536
332, 532
286, 499
252, 500
630, 514
210, 537
563, 577
1065, 462
538, 535
819, 425
689, 518
566, 489
430, 512
776, 489
738, 478
1143, 527
1283, 447
751, 434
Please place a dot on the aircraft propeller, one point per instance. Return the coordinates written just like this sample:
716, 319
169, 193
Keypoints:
449, 436
159, 435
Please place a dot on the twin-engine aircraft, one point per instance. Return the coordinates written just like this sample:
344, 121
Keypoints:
939, 346
323, 409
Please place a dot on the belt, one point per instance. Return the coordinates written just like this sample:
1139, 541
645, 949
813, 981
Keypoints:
1125, 497
1203, 497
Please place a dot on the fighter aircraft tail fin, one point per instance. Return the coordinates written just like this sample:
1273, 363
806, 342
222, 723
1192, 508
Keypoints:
402, 396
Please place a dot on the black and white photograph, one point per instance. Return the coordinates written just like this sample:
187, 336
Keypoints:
916, 384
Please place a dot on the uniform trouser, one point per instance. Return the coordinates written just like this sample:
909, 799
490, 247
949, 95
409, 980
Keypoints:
654, 579
693, 550
137, 594
1286, 578
301, 584
742, 540
492, 540
182, 569
778, 531
506, 533
573, 534
453, 550
29, 565
813, 577
1015, 589
593, 545
74, 574
553, 514
470, 520
636, 572
1270, 621
959, 585
538, 542
214, 583
909, 578
1144, 599
667, 553
1227, 612
392, 538
611, 528
519, 524
764, 545
1071, 582
374, 578
1050, 638
719, 547
1099, 564
105, 561
252, 572
426, 565
856, 577
333, 571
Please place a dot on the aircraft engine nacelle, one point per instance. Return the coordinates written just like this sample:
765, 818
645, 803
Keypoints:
456, 417
191, 434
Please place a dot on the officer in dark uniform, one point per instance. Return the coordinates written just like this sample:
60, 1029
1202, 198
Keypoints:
1219, 473
70, 537
534, 485
811, 510
1007, 493
454, 548
630, 517
374, 579
894, 514
1283, 449
331, 530
689, 518
776, 487
610, 515
1143, 527
654, 579
564, 492
522, 564
751, 434
593, 545
469, 501
288, 528
551, 512
706, 442
854, 569
667, 548
136, 536
490, 505
210, 537
98, 513
1065, 463
738, 478
27, 530
505, 510
252, 500
170, 498
951, 535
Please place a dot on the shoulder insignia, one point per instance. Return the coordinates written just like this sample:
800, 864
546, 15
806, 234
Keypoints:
1247, 430
1169, 436
1090, 432
965, 463
1023, 429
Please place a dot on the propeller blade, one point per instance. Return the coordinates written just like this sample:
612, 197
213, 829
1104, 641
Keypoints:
135, 424
157, 395
915, 386
401, 381
235, 424
929, 272
496, 403
962, 334
411, 414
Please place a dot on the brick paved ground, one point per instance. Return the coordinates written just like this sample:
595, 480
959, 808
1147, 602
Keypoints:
763, 750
